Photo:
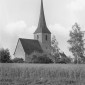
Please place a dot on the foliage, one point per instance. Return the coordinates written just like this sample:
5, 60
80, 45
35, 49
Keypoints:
5, 56
42, 58
77, 43
62, 58
18, 60
54, 44
58, 57
55, 49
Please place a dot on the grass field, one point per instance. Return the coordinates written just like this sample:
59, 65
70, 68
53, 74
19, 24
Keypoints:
42, 74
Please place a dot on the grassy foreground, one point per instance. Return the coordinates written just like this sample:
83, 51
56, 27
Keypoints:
42, 74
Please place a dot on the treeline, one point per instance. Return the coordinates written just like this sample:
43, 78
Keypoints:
5, 57
76, 42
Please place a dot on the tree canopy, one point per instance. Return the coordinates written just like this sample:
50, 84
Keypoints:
41, 58
76, 42
5, 56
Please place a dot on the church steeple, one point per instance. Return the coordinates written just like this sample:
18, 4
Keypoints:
42, 27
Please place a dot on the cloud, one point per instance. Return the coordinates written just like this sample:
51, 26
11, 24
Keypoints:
75, 9
28, 32
62, 35
15, 27
59, 30
77, 5
20, 29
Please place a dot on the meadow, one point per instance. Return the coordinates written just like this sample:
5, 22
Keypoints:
42, 74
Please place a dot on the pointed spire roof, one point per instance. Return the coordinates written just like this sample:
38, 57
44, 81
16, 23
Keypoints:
42, 27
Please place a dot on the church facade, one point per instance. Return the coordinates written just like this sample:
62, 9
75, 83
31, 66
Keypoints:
41, 42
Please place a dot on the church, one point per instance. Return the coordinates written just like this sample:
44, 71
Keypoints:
41, 42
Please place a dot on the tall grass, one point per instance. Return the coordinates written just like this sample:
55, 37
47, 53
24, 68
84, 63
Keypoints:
25, 74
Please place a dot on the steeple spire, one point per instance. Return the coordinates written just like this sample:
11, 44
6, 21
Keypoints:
42, 28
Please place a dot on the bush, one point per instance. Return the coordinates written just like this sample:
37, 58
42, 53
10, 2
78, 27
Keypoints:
18, 60
43, 58
5, 56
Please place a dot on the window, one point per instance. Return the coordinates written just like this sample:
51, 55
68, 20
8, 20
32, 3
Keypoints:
46, 37
37, 36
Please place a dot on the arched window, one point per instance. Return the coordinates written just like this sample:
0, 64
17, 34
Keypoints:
46, 37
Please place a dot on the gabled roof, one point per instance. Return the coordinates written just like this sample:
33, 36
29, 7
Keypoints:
30, 45
42, 27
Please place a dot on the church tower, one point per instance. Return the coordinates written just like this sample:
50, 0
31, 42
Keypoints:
42, 33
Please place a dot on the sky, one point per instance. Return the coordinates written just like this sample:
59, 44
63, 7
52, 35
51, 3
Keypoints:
19, 19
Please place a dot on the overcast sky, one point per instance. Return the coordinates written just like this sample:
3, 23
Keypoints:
19, 19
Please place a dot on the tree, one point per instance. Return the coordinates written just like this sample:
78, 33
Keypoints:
18, 60
77, 43
58, 57
5, 56
54, 44
55, 49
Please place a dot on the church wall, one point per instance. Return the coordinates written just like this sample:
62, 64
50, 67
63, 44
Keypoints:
48, 41
38, 36
19, 52
45, 44
42, 38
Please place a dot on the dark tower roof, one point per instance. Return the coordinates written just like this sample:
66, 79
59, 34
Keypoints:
42, 27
